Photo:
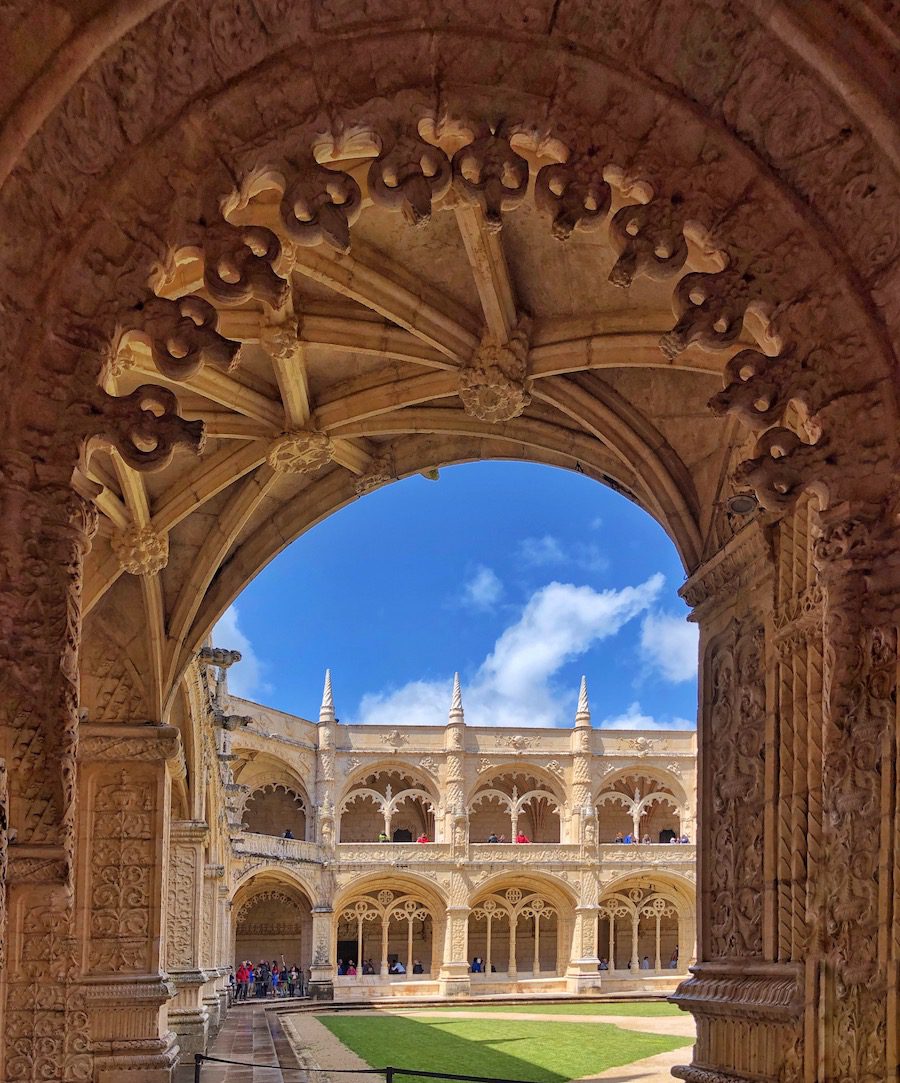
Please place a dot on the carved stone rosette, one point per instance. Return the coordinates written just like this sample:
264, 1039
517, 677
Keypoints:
141, 550
301, 452
493, 384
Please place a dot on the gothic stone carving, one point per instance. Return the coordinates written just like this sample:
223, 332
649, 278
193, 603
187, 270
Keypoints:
141, 550
301, 452
493, 384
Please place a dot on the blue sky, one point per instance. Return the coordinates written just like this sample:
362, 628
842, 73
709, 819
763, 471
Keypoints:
522, 577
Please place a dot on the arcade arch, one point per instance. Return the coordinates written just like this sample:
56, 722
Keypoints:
645, 807
507, 802
388, 801
272, 919
754, 164
386, 926
646, 923
517, 931
276, 808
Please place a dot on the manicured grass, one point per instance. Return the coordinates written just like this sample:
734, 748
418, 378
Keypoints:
546, 1052
648, 1008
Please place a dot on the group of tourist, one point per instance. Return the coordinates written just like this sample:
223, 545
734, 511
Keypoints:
645, 840
265, 979
479, 966
644, 963
493, 837
368, 968
383, 836
520, 837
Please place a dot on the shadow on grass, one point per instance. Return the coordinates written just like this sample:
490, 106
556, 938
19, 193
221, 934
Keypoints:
547, 1052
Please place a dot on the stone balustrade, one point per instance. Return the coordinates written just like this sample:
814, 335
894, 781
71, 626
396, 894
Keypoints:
280, 849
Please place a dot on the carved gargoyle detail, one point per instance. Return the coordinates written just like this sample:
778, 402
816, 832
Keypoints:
408, 176
144, 427
320, 205
489, 173
181, 336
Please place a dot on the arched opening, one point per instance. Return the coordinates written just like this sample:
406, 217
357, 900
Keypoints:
515, 805
638, 807
384, 935
276, 809
387, 805
517, 934
645, 928
272, 925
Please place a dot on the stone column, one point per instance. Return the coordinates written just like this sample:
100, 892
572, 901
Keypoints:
47, 531
124, 792
454, 972
856, 901
748, 1002
212, 879
582, 973
321, 982
188, 1015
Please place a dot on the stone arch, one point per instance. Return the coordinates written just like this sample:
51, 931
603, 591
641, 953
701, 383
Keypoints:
272, 919
393, 799
387, 919
516, 797
648, 804
646, 923
796, 202
520, 925
274, 808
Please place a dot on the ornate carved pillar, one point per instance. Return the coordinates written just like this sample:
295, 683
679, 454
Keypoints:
856, 901
124, 791
212, 880
188, 1015
321, 980
454, 972
746, 998
582, 974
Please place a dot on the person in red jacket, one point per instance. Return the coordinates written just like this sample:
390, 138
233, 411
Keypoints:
423, 838
522, 837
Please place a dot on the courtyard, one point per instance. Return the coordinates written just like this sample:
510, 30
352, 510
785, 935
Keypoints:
541, 1042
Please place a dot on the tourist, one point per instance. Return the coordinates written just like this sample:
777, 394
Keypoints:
628, 839
368, 968
685, 840
351, 969
242, 981
645, 963
604, 965
341, 968
492, 837
522, 837
619, 837
646, 840
288, 834
397, 967
417, 967
383, 836
476, 965
251, 980
502, 838
293, 980
262, 979
423, 838
674, 839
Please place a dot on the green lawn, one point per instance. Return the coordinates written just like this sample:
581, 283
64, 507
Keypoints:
648, 1008
546, 1052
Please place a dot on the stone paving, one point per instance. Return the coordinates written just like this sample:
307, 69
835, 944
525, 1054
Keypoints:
249, 1034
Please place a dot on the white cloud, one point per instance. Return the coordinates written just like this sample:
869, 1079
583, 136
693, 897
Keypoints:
541, 551
484, 589
634, 719
513, 685
245, 678
669, 646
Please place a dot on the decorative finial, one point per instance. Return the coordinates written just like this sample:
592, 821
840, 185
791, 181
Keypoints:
326, 711
583, 714
456, 707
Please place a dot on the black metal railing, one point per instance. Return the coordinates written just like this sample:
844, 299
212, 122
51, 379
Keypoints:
390, 1072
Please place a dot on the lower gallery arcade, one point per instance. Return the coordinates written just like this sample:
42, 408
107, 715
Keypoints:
259, 259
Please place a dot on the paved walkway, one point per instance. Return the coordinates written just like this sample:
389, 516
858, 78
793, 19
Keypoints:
249, 1034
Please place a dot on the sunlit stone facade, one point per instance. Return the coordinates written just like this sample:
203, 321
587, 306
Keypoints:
354, 884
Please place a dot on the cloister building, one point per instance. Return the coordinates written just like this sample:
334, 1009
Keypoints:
259, 258
542, 915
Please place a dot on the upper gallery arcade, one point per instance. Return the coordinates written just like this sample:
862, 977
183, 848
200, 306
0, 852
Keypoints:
259, 258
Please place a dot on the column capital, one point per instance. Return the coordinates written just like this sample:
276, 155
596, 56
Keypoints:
127, 742
743, 563
189, 831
